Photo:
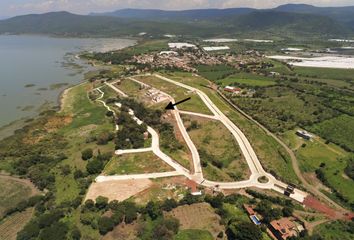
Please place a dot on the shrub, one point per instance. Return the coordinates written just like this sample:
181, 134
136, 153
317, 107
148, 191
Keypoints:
87, 154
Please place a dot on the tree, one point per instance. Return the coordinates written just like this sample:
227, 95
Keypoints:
101, 202
78, 174
153, 210
87, 154
75, 233
89, 204
105, 225
243, 231
169, 204
30, 231
287, 211
94, 166
56, 231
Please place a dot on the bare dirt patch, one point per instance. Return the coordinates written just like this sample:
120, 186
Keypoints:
197, 216
123, 231
118, 190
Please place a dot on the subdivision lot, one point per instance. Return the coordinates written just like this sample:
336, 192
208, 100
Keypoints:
273, 156
219, 152
178, 93
190, 217
136, 163
118, 190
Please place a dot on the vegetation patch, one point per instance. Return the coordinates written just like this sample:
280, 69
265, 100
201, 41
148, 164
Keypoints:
246, 80
137, 163
220, 154
339, 130
193, 234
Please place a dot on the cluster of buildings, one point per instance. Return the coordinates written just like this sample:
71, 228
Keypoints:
156, 95
281, 229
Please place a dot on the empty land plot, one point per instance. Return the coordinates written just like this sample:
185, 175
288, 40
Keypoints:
178, 93
215, 72
339, 130
136, 163
131, 88
118, 190
247, 79
332, 161
270, 153
10, 226
219, 152
193, 234
197, 216
14, 190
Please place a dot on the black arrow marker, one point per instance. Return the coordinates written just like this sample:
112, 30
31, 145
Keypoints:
171, 106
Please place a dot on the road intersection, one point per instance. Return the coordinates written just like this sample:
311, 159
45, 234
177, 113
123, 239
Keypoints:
196, 175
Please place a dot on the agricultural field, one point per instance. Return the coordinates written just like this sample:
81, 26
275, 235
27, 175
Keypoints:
136, 163
326, 73
215, 72
339, 130
10, 226
178, 93
246, 80
272, 156
14, 190
219, 152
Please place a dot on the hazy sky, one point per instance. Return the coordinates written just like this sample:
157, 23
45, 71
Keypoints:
17, 7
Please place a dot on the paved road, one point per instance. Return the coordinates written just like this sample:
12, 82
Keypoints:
246, 148
111, 85
198, 114
197, 175
293, 158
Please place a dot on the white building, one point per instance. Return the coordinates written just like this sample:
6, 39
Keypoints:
181, 45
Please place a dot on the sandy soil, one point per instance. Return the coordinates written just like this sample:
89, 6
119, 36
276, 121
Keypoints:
118, 190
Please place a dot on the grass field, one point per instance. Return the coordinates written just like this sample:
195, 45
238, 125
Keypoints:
11, 193
333, 161
218, 148
326, 73
335, 231
136, 163
178, 93
215, 72
339, 130
10, 226
246, 79
193, 234
272, 156
88, 119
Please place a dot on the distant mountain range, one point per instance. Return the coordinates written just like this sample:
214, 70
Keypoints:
291, 20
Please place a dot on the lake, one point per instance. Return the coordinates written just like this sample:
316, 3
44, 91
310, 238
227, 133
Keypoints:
35, 69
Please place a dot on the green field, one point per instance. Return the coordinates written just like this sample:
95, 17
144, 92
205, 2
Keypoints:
332, 160
339, 130
246, 79
135, 164
219, 152
272, 156
335, 231
193, 234
11, 193
326, 73
215, 72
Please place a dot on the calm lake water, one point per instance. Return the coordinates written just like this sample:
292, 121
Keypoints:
34, 69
